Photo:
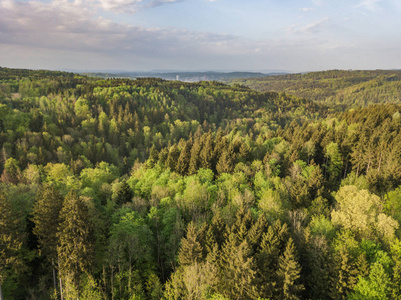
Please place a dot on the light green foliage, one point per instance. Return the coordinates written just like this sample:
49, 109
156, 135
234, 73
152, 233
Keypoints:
358, 181
271, 203
90, 289
81, 108
359, 211
376, 286
132, 238
60, 175
392, 204
320, 225
97, 181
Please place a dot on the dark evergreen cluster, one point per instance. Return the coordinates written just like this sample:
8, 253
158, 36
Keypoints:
153, 189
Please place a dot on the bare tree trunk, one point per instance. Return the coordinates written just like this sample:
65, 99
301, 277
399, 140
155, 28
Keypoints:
368, 165
380, 162
54, 275
61, 282
357, 171
119, 278
112, 283
130, 274
104, 283
1, 293
346, 168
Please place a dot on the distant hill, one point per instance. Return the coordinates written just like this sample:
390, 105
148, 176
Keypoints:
183, 76
350, 88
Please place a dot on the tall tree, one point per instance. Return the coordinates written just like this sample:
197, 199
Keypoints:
237, 269
75, 247
289, 274
11, 240
191, 249
46, 217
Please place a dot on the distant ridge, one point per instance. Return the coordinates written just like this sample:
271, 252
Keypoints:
183, 76
354, 88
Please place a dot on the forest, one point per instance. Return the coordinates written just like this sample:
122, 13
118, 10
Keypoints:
345, 88
155, 189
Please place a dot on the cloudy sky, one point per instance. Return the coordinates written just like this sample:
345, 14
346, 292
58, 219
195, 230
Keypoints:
225, 35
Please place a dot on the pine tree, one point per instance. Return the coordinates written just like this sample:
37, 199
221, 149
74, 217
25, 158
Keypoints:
289, 274
75, 244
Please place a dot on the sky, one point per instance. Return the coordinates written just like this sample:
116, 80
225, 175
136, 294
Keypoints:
200, 35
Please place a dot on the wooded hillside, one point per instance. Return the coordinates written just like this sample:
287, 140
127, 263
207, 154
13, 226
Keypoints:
153, 189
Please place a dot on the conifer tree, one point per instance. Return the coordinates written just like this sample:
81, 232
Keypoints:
237, 270
46, 217
272, 244
75, 247
194, 161
191, 249
225, 164
289, 274
183, 160
344, 277
206, 154
11, 241
172, 157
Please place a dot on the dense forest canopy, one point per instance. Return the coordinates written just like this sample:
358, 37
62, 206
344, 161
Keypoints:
154, 189
335, 87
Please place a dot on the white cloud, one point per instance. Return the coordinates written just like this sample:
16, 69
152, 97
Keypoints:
310, 28
63, 33
130, 6
306, 9
67, 25
372, 5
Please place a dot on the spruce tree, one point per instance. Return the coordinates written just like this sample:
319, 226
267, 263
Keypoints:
75, 247
206, 154
191, 249
195, 152
225, 164
344, 277
46, 217
11, 241
183, 160
172, 157
237, 270
289, 274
